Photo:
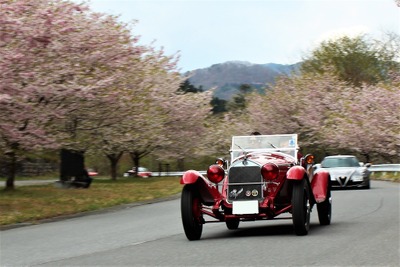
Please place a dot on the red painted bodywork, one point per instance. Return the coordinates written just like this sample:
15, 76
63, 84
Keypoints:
319, 185
296, 173
190, 177
215, 196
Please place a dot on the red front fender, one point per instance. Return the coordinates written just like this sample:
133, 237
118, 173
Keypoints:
190, 177
296, 173
319, 185
208, 191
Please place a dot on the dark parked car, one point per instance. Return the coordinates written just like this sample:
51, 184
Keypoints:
263, 180
346, 171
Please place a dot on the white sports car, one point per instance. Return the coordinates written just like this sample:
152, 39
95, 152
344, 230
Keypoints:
347, 171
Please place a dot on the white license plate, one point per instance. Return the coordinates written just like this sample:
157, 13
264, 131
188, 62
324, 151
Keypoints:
245, 207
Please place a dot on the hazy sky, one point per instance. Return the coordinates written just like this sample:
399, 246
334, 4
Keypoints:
206, 32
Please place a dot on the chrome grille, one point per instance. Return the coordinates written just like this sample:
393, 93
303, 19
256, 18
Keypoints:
244, 183
243, 174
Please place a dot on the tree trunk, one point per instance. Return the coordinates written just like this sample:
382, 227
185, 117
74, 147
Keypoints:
11, 170
114, 159
135, 156
367, 157
159, 168
181, 164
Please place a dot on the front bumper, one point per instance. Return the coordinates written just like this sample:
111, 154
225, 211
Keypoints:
349, 182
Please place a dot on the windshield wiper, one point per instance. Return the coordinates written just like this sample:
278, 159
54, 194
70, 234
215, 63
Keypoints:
245, 153
271, 145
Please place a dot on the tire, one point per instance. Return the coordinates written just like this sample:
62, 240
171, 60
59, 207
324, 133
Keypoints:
232, 224
301, 207
325, 209
192, 219
368, 185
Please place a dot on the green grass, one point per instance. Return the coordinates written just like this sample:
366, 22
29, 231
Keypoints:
386, 176
38, 202
42, 177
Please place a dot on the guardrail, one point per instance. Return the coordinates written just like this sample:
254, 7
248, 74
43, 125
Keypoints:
373, 168
385, 168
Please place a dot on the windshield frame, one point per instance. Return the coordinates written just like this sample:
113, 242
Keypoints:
282, 143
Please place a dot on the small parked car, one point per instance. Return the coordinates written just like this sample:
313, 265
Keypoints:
92, 172
142, 172
264, 180
346, 171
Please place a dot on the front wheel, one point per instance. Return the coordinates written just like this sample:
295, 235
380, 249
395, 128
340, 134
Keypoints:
301, 207
191, 212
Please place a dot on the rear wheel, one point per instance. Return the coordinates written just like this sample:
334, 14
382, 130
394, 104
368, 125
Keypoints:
325, 209
301, 207
191, 212
232, 224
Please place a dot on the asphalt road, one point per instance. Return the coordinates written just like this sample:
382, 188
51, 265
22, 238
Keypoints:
364, 232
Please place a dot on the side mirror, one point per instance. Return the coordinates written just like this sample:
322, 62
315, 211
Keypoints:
368, 165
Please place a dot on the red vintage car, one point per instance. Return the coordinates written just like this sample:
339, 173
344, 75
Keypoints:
265, 179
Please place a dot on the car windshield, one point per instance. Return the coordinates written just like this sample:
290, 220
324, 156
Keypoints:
340, 162
285, 143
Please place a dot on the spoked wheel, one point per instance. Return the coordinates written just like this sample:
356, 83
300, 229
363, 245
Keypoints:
191, 212
301, 207
325, 209
232, 224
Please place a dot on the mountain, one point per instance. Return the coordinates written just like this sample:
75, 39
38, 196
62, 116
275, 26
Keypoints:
227, 77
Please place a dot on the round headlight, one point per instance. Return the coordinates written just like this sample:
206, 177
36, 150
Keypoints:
269, 171
215, 173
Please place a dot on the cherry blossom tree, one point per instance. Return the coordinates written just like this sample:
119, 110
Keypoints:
57, 61
171, 121
97, 90
139, 117
339, 101
370, 123
185, 127
330, 114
